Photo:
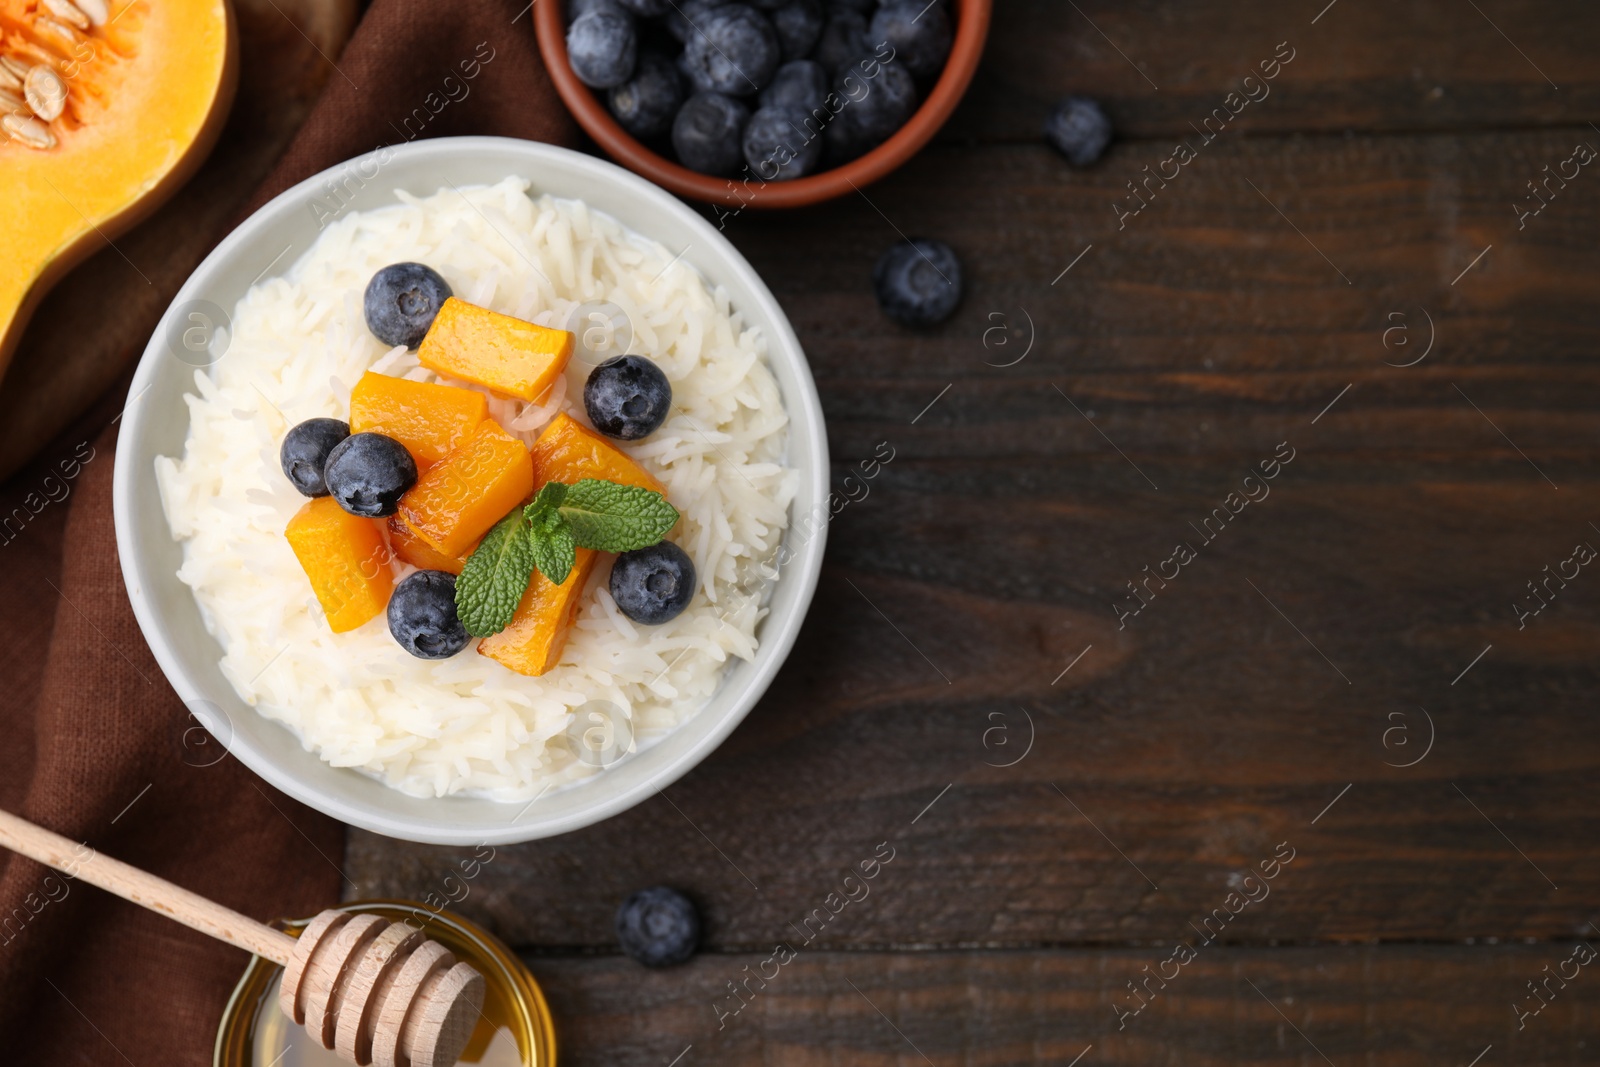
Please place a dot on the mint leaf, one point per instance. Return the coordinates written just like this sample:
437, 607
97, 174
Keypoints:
610, 517
554, 551
496, 575
544, 505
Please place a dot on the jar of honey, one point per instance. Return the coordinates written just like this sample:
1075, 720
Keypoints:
514, 1031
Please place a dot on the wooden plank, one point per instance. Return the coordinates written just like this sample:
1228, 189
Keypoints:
1402, 1006
1293, 657
1430, 65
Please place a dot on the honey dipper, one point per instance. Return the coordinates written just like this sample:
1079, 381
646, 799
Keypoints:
374, 991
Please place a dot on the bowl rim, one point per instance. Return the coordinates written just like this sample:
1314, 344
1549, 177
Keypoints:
778, 630
971, 31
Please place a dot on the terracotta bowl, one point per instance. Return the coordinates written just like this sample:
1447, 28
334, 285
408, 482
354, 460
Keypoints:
971, 28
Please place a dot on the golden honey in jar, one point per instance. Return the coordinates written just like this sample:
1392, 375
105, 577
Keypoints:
514, 1031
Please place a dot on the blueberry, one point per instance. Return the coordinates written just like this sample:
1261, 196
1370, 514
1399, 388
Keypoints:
778, 144
802, 84
305, 452
844, 37
627, 397
422, 615
601, 46
918, 282
401, 301
1079, 129
686, 19
918, 33
877, 97
646, 104
658, 926
799, 24
859, 7
647, 9
706, 133
576, 9
367, 473
733, 51
653, 585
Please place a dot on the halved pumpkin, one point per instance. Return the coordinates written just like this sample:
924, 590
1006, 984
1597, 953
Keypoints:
106, 107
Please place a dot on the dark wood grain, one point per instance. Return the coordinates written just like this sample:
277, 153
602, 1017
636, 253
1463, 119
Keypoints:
1430, 65
1405, 1006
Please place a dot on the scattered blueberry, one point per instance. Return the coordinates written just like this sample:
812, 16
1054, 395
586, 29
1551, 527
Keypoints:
875, 105
778, 144
647, 9
653, 585
919, 34
689, 14
799, 24
401, 301
918, 282
602, 46
735, 51
646, 104
802, 84
367, 473
844, 37
422, 615
658, 926
627, 397
706, 133
1079, 129
860, 7
305, 452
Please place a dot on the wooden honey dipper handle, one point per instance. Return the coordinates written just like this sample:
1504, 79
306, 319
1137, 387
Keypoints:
374, 991
144, 889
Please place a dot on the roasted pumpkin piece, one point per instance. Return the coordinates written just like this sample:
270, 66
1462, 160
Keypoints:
457, 499
345, 558
411, 547
510, 356
429, 419
532, 644
567, 452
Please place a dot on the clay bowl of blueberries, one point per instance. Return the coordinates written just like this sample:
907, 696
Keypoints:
762, 103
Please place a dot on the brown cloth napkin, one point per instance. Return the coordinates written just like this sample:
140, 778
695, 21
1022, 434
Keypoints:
98, 747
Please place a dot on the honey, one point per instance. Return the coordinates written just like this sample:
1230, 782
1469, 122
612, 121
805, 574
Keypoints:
515, 1029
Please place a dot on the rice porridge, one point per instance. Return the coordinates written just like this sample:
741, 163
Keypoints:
468, 724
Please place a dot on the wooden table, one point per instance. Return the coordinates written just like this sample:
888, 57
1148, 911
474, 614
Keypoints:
1337, 672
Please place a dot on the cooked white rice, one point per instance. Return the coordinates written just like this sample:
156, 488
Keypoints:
467, 724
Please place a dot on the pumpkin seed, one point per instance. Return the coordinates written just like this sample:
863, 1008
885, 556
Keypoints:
8, 80
50, 27
67, 12
95, 11
46, 93
12, 104
17, 68
29, 130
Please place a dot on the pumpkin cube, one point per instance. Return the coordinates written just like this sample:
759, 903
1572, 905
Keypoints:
456, 500
533, 643
429, 419
568, 452
345, 558
410, 546
510, 356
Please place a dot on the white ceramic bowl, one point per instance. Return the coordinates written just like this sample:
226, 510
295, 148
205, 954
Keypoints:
156, 423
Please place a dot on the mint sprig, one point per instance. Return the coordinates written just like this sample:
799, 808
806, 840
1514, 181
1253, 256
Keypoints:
495, 576
611, 517
601, 515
